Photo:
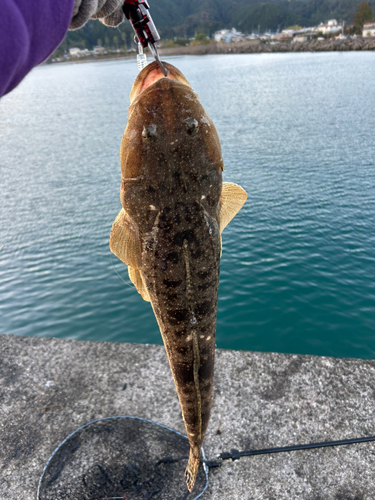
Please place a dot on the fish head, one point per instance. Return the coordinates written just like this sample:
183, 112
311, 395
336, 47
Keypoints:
170, 147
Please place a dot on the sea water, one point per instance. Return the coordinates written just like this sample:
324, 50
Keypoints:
298, 263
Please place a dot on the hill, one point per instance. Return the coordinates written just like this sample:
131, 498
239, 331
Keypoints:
184, 18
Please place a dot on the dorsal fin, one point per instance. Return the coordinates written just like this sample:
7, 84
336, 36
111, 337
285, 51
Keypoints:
232, 200
125, 243
124, 240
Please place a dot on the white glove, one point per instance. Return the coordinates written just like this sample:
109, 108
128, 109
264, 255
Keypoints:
109, 12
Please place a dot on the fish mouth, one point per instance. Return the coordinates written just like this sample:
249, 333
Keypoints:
151, 74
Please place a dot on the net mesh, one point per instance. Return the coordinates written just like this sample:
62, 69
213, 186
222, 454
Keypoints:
120, 457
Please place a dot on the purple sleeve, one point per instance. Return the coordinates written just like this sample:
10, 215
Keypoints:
30, 30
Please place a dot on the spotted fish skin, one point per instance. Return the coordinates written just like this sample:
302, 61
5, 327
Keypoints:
182, 275
168, 233
181, 271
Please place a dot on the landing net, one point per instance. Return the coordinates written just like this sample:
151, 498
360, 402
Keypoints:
120, 457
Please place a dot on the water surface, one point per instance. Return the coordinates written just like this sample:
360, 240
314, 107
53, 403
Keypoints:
298, 265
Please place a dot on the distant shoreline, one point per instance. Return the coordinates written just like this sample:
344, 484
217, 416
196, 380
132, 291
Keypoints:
247, 47
257, 47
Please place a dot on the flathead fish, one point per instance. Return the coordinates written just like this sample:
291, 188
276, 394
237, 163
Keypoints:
168, 232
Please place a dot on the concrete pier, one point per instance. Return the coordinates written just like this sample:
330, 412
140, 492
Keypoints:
261, 400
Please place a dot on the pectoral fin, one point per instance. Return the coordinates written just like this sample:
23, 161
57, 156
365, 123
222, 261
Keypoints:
136, 278
125, 242
232, 199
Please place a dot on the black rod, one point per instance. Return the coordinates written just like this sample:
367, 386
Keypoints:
235, 454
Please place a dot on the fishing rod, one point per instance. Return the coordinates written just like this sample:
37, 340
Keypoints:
236, 455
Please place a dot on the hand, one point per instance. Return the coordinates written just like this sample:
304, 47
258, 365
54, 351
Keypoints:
109, 12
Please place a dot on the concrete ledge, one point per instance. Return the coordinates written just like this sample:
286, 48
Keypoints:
261, 400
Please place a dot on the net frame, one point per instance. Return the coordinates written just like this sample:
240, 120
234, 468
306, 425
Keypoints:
121, 417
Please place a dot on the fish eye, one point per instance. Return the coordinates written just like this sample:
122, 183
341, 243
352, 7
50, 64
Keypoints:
192, 126
149, 132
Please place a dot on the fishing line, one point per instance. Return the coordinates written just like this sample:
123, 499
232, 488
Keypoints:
121, 278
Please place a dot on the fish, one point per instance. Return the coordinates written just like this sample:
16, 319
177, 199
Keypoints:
168, 232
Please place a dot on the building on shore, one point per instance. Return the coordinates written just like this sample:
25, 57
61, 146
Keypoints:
331, 28
369, 29
305, 36
298, 35
98, 50
228, 36
282, 37
76, 52
300, 39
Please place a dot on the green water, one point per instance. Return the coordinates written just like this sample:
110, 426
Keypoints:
298, 265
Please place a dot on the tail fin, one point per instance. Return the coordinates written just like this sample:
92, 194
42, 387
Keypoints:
192, 470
